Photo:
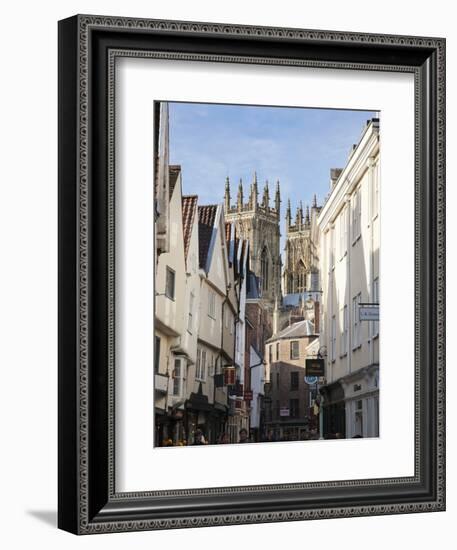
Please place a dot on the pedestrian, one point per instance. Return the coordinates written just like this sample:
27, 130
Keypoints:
223, 438
244, 436
199, 438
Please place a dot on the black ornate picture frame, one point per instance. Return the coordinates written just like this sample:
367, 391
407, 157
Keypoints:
88, 501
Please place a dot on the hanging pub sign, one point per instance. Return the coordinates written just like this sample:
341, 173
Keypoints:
315, 367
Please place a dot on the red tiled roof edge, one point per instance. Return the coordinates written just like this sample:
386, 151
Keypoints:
206, 217
189, 208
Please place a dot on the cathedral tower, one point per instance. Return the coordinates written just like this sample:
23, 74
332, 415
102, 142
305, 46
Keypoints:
259, 223
301, 269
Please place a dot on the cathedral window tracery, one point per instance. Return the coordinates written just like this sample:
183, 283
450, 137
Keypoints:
301, 277
264, 268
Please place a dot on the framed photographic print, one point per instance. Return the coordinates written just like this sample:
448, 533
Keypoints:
251, 274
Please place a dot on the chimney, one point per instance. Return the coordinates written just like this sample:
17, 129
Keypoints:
334, 175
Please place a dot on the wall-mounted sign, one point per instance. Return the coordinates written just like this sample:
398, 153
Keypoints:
284, 411
161, 383
369, 312
311, 380
315, 367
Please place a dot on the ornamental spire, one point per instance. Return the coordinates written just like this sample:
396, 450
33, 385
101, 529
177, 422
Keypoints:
266, 196
227, 194
239, 200
288, 213
277, 197
254, 193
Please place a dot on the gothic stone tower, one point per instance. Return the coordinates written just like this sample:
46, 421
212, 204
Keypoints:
301, 270
259, 223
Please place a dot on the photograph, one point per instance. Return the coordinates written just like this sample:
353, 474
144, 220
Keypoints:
267, 274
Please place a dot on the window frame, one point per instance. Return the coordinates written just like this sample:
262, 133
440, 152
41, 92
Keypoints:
178, 378
345, 330
333, 338
356, 325
375, 191
157, 354
211, 304
356, 210
292, 343
190, 312
200, 367
170, 272
294, 380
294, 408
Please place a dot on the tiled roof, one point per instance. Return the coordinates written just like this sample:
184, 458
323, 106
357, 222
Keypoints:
173, 172
228, 231
206, 218
189, 207
253, 290
297, 330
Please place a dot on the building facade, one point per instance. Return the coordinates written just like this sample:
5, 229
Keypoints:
207, 405
174, 347
350, 243
161, 178
258, 331
238, 258
289, 414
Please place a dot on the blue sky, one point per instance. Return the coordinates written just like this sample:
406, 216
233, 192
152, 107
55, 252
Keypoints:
295, 145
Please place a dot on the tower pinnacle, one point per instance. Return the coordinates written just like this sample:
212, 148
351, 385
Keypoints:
227, 195
277, 197
288, 214
254, 193
266, 196
239, 201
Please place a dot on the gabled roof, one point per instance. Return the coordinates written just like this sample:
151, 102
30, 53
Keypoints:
253, 287
173, 172
297, 330
206, 232
189, 208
